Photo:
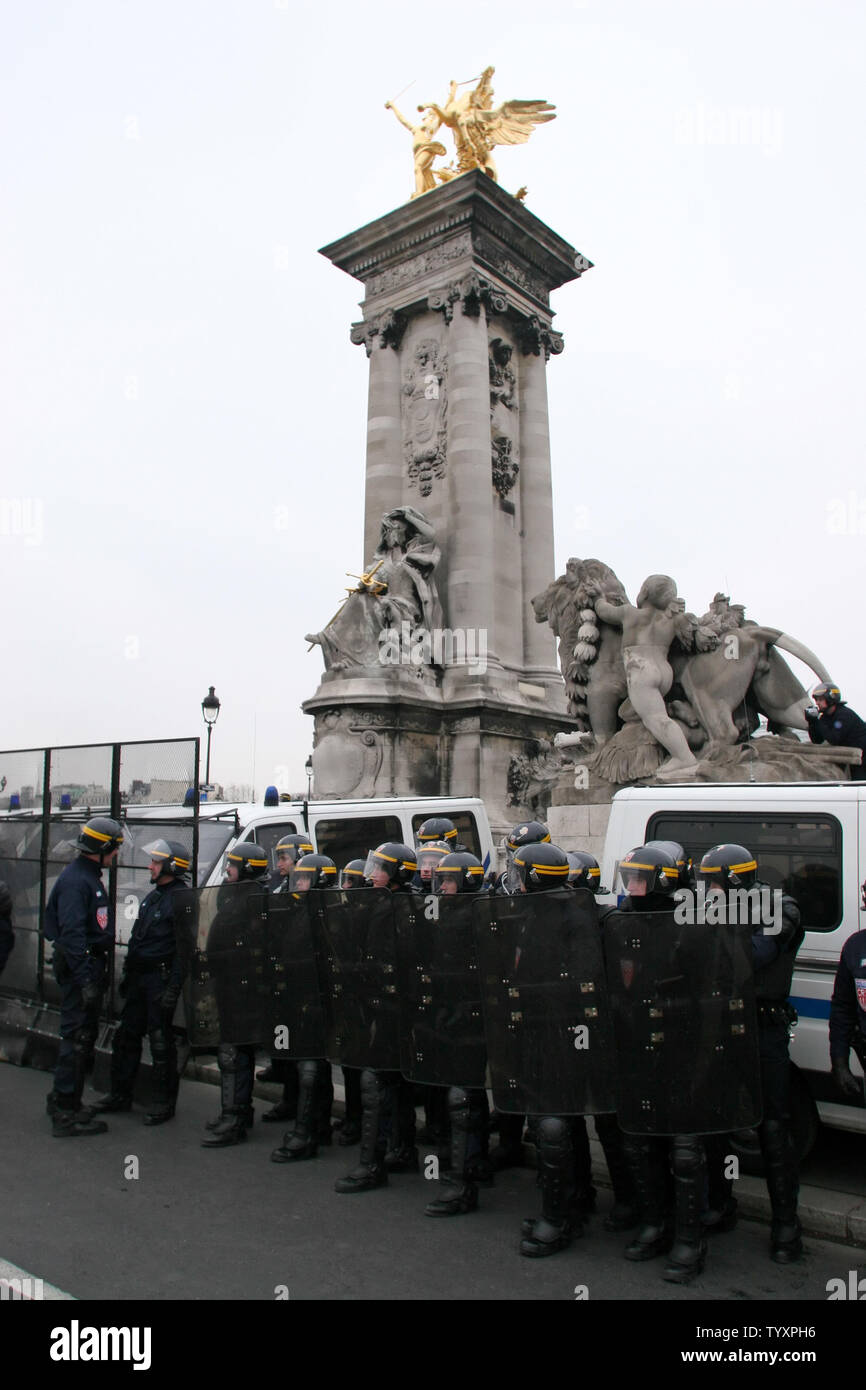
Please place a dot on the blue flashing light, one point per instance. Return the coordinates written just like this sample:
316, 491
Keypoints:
272, 796
15, 801
65, 801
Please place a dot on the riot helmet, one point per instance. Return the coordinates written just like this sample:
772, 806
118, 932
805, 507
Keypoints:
429, 856
583, 871
352, 875
728, 866
532, 832
683, 861
173, 857
646, 870
313, 871
436, 828
249, 859
539, 867
397, 861
457, 873
829, 693
290, 849
101, 836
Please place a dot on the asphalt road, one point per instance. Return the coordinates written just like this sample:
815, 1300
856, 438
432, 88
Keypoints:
198, 1224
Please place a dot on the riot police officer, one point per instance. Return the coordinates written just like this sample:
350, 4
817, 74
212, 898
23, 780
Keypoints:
650, 876
847, 1012
564, 1159
509, 1151
466, 1106
436, 829
830, 720
150, 986
312, 873
729, 869
348, 1130
287, 851
79, 923
246, 870
387, 1100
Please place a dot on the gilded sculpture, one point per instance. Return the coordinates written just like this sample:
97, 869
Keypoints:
476, 127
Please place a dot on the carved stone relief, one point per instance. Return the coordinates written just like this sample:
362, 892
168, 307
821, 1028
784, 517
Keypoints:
504, 428
425, 407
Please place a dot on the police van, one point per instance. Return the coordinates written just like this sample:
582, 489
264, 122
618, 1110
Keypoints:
809, 839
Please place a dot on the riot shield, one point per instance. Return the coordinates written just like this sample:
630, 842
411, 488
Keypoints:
355, 936
549, 1036
229, 987
682, 998
294, 1021
441, 1023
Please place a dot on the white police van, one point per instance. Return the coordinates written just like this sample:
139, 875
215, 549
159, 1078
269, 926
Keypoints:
809, 839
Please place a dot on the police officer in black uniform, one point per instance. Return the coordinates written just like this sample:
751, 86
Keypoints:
467, 1107
830, 720
387, 1099
438, 828
156, 963
288, 851
508, 1153
312, 873
246, 871
79, 923
726, 869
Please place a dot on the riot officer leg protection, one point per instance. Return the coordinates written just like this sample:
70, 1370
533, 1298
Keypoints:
649, 1160
349, 1129
558, 1224
303, 1141
721, 1210
689, 1248
623, 1214
236, 1066
509, 1151
458, 1193
401, 1155
371, 1170
165, 1081
780, 1165
287, 1073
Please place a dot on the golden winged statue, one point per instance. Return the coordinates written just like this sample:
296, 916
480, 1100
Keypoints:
476, 127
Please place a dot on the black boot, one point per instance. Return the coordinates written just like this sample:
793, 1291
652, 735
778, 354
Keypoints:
164, 1077
301, 1142
236, 1078
401, 1155
458, 1194
689, 1250
68, 1121
623, 1215
82, 1114
648, 1158
780, 1164
371, 1171
287, 1108
557, 1226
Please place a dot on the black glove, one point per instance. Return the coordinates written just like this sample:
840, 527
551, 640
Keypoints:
812, 712
845, 1078
91, 994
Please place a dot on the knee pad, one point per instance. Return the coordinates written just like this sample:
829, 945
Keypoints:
229, 1058
372, 1089
687, 1157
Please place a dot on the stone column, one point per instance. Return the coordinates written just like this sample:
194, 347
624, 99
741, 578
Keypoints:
384, 447
537, 513
470, 535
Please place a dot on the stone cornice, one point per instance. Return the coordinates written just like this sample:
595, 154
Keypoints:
501, 231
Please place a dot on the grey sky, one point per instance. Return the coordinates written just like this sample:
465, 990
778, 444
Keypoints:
184, 416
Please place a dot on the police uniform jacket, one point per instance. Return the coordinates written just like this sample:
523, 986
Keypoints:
154, 937
848, 1005
840, 726
78, 918
773, 954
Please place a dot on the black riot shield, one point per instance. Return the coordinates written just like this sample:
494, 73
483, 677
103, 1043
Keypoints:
441, 1022
684, 1017
549, 1037
355, 937
294, 1025
229, 987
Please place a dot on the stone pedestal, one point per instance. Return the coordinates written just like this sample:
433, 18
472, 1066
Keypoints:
457, 328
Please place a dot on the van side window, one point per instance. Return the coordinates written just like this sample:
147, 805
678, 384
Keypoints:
343, 840
268, 833
801, 854
463, 822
